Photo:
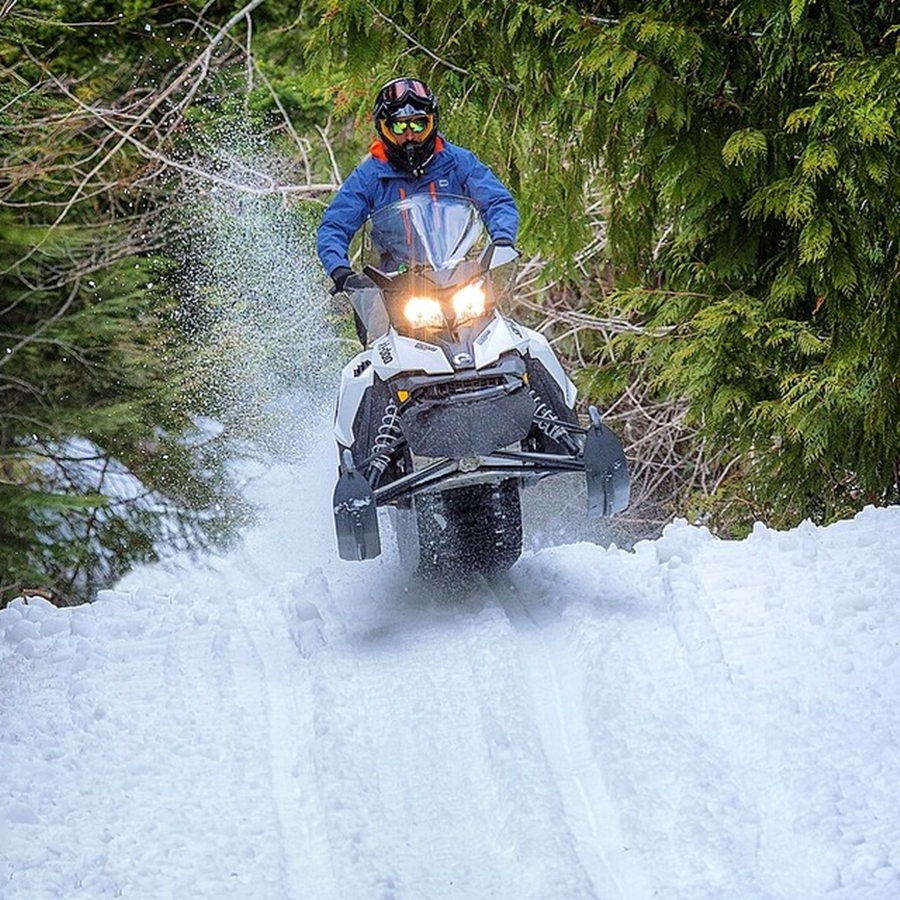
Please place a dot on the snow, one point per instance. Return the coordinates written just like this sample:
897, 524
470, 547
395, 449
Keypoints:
689, 719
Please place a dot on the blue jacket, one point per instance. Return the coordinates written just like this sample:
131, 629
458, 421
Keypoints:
375, 183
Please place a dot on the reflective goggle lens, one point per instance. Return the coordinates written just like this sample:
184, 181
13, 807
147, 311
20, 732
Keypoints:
396, 91
416, 126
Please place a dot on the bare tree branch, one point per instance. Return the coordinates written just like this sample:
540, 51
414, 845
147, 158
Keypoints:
199, 67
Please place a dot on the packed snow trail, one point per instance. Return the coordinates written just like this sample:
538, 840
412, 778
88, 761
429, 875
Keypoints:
693, 719
550, 659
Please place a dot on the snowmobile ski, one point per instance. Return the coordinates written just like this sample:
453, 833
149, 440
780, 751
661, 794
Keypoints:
355, 514
606, 470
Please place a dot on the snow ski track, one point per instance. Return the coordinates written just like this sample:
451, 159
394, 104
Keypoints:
404, 759
288, 712
549, 658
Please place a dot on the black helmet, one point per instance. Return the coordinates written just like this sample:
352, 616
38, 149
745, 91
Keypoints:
403, 99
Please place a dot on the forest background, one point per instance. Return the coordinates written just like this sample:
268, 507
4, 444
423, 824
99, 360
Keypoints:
710, 195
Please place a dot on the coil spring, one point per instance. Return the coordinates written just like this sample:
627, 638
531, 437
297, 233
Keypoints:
388, 432
544, 418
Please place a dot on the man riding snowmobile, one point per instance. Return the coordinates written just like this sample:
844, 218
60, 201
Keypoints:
451, 407
409, 156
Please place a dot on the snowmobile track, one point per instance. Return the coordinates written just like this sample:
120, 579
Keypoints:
557, 693
288, 713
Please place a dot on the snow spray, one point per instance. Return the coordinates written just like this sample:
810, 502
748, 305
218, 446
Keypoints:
253, 298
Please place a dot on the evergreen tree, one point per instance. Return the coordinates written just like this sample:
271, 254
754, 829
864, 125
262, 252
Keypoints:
100, 464
98, 467
748, 157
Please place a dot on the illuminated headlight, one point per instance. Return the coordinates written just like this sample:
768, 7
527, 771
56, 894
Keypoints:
423, 312
468, 302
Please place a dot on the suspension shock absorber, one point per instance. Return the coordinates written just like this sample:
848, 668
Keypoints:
549, 423
386, 436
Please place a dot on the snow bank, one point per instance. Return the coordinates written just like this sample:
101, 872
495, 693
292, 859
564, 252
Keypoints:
692, 719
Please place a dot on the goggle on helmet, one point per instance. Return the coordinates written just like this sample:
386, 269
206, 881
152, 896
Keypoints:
405, 103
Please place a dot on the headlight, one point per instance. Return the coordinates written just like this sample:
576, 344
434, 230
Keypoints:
423, 312
468, 302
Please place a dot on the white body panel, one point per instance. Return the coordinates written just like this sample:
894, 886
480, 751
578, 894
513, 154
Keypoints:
391, 354
502, 335
355, 379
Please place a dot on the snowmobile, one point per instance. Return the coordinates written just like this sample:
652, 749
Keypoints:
453, 407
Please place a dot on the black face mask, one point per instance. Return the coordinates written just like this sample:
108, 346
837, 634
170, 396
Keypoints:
412, 158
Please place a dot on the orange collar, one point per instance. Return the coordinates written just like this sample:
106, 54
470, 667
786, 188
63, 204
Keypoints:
377, 149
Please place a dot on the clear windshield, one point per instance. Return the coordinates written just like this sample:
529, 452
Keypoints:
436, 230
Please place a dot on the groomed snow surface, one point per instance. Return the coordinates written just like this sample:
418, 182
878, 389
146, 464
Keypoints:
690, 719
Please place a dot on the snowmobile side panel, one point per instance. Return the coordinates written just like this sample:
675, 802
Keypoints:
393, 354
356, 377
538, 347
499, 337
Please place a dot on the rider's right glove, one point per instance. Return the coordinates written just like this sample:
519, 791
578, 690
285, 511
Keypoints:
339, 276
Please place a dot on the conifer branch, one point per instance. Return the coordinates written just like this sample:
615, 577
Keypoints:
408, 37
35, 334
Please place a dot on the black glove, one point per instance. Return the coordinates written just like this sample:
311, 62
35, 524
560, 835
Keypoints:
339, 276
503, 242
